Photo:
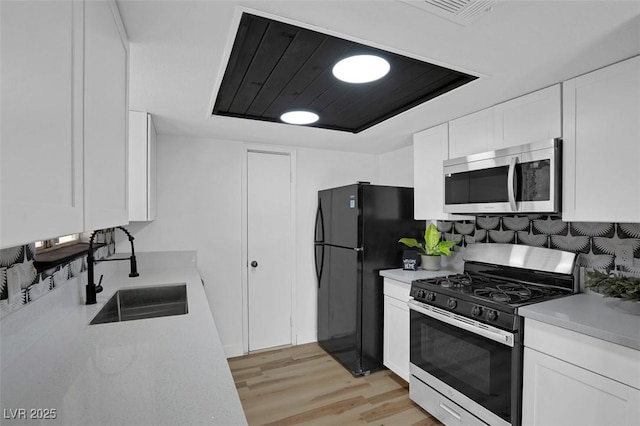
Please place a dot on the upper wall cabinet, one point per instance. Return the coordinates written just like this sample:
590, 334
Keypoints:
601, 115
430, 149
142, 167
64, 119
41, 121
471, 134
106, 115
529, 118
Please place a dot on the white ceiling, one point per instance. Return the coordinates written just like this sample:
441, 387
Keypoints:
179, 50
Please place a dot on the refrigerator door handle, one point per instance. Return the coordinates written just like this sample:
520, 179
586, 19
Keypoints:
319, 242
320, 222
315, 256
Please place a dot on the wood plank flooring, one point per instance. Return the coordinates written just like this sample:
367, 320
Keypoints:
304, 385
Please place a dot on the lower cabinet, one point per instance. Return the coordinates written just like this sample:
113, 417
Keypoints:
574, 379
396, 327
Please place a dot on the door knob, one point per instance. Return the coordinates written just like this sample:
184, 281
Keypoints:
254, 264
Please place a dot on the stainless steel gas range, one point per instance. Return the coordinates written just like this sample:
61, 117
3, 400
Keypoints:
466, 334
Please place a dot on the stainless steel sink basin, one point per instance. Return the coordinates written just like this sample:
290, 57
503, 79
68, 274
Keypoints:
144, 302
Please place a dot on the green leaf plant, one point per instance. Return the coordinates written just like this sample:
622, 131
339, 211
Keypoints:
432, 245
612, 285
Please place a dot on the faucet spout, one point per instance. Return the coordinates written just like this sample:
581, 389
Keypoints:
92, 289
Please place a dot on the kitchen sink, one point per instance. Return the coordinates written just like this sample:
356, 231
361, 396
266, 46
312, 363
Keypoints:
144, 302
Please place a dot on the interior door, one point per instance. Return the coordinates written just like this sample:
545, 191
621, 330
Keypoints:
269, 249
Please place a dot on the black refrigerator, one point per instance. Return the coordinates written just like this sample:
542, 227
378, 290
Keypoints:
356, 235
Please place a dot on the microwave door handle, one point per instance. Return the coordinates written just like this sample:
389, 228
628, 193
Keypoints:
512, 183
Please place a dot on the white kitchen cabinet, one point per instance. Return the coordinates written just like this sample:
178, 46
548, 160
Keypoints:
575, 379
430, 148
396, 327
529, 118
429, 151
106, 74
471, 134
142, 167
41, 135
601, 149
64, 119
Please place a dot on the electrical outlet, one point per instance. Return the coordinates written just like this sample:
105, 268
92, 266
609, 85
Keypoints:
624, 255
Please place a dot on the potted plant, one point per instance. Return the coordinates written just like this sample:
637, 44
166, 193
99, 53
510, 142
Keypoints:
624, 290
432, 249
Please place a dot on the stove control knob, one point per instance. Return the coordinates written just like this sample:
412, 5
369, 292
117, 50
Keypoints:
476, 311
492, 315
451, 303
431, 296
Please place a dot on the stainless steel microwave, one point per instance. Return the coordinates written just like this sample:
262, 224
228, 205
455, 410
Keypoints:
519, 179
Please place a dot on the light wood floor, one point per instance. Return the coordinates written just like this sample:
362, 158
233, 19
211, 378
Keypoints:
305, 385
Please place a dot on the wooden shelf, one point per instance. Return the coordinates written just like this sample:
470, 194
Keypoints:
52, 258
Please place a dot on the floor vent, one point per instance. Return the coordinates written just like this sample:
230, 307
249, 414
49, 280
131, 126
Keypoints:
462, 12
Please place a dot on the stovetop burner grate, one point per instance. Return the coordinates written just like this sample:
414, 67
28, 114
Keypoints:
474, 286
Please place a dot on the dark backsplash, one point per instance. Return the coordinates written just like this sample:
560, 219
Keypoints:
595, 242
20, 279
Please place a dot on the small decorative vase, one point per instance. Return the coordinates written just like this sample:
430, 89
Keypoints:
430, 263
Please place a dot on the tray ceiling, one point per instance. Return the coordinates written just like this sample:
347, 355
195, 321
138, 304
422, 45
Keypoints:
275, 67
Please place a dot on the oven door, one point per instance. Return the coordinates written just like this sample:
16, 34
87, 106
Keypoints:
475, 365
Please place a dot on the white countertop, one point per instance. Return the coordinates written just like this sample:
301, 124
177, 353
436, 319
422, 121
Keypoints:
408, 276
589, 314
170, 370
450, 265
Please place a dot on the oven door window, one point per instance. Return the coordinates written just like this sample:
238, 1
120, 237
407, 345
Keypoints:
473, 365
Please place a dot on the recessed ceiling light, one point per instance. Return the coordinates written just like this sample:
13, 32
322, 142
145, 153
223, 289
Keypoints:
299, 117
361, 68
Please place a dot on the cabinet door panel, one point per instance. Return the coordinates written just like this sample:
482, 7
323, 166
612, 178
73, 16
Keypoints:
105, 130
396, 336
41, 153
142, 167
529, 118
601, 150
557, 392
429, 151
471, 134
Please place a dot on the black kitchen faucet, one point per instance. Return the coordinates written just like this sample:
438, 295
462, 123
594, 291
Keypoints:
92, 288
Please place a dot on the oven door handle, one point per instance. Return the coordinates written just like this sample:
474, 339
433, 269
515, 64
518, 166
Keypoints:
492, 333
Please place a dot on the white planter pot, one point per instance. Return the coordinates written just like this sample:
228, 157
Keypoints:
626, 306
430, 263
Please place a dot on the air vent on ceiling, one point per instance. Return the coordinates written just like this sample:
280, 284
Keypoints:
461, 12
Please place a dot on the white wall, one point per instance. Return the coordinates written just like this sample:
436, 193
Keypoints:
199, 208
396, 167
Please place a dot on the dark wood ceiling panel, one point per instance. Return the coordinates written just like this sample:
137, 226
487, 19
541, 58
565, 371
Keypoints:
320, 62
274, 44
275, 67
248, 38
299, 52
